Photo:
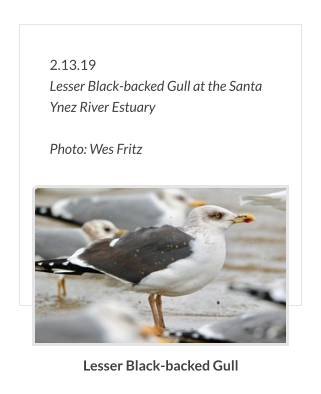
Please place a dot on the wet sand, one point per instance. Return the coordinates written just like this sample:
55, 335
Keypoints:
256, 255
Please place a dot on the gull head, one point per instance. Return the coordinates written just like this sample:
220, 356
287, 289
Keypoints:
214, 219
178, 199
99, 229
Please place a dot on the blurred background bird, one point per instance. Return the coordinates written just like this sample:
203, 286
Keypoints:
52, 243
262, 327
107, 322
274, 292
165, 206
276, 200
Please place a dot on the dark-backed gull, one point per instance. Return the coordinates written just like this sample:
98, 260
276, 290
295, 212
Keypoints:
165, 260
51, 243
166, 206
276, 200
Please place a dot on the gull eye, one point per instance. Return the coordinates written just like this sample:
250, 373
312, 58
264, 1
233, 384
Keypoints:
107, 229
216, 215
180, 198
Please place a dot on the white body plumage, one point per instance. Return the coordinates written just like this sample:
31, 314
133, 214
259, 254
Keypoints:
191, 274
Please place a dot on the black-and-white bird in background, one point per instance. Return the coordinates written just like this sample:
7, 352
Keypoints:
263, 327
52, 243
166, 206
276, 200
275, 292
163, 261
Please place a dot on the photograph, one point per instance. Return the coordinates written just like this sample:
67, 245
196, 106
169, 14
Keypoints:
163, 265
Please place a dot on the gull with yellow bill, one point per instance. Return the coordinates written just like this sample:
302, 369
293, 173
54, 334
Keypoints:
160, 261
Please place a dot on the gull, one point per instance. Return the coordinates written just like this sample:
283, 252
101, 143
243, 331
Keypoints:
166, 206
160, 261
276, 200
51, 243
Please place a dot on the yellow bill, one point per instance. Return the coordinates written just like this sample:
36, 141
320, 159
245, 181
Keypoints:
244, 218
120, 232
197, 203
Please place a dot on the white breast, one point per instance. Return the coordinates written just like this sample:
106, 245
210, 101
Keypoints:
188, 275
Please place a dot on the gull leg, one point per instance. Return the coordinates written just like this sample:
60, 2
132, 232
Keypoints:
160, 311
63, 286
151, 300
59, 288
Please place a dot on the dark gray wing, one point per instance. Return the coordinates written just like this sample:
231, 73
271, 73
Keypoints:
56, 242
126, 211
139, 253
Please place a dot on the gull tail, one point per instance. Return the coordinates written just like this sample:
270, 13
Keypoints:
47, 211
63, 266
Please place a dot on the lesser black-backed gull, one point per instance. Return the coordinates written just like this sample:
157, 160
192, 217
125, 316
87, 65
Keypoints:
166, 261
166, 206
276, 200
51, 243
